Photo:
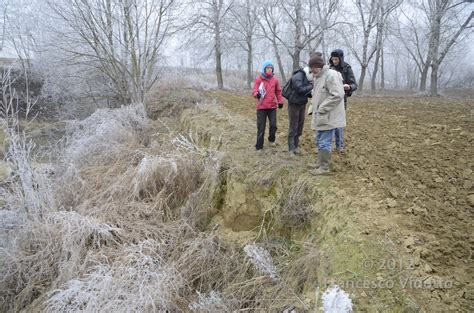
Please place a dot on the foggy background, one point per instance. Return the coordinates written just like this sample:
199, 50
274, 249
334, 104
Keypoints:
114, 51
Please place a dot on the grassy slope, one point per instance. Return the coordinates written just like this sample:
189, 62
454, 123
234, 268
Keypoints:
347, 224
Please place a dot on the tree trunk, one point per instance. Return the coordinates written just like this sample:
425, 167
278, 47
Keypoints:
280, 64
218, 52
434, 79
249, 65
298, 30
296, 59
433, 47
374, 72
424, 75
382, 69
4, 27
360, 88
396, 72
220, 80
378, 46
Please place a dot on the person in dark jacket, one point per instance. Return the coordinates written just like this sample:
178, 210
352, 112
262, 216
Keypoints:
302, 86
337, 63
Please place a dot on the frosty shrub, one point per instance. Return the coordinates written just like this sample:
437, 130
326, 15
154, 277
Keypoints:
336, 300
10, 222
211, 303
30, 190
171, 177
70, 186
100, 138
262, 260
136, 281
47, 249
152, 174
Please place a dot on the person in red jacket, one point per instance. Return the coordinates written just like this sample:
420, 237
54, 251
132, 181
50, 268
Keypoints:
267, 91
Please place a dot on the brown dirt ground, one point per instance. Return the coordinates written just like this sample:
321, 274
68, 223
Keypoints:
408, 169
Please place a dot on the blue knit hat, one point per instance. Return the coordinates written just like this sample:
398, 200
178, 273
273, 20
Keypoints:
265, 64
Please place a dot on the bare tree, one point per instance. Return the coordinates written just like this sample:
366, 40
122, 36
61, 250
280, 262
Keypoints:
432, 28
122, 37
211, 19
245, 16
384, 9
272, 28
326, 10
412, 37
367, 18
307, 20
439, 48
4, 10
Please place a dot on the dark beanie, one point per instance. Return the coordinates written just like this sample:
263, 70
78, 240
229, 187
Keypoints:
338, 53
316, 61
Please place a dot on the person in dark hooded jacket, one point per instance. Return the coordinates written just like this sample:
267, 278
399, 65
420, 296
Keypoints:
302, 87
337, 63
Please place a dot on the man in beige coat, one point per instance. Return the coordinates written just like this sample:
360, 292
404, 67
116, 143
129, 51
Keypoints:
328, 111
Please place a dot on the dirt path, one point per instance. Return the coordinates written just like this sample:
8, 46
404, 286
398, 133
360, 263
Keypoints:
397, 210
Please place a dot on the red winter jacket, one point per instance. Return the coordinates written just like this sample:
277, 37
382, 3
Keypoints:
273, 92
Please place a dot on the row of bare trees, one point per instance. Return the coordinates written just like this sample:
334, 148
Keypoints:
427, 29
125, 40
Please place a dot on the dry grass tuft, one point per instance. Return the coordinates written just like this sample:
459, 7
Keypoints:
295, 204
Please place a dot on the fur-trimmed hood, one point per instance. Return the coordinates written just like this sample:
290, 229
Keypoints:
309, 74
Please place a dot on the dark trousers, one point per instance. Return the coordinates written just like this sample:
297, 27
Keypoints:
296, 116
262, 116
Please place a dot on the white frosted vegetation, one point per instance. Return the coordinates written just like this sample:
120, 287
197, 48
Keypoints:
211, 302
31, 191
336, 300
262, 260
104, 135
135, 281
119, 226
153, 173
47, 247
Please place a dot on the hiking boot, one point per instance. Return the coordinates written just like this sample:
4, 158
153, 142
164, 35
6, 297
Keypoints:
325, 163
298, 151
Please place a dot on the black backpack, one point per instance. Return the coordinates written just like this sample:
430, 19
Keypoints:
287, 90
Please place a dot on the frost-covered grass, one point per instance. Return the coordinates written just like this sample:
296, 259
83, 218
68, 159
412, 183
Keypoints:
121, 224
103, 136
262, 260
336, 300
136, 280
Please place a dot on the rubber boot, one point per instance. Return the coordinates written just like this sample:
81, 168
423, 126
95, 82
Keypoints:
325, 163
318, 162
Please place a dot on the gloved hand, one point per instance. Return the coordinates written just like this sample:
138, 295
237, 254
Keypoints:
259, 95
280, 105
